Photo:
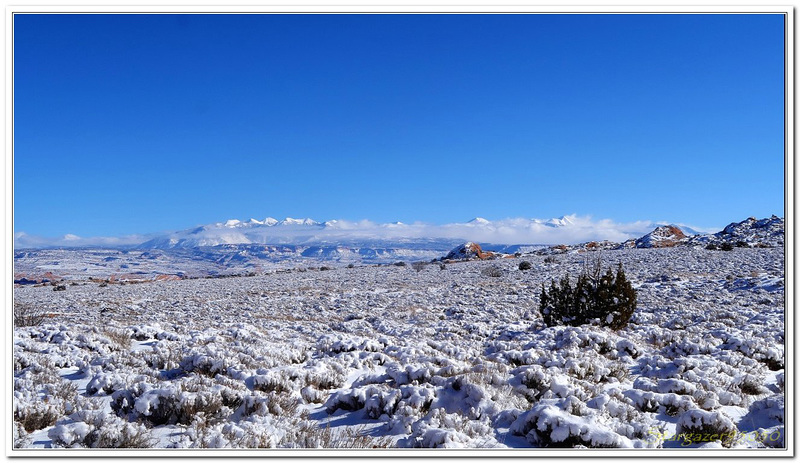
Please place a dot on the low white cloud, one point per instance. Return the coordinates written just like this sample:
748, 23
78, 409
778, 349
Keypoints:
23, 240
569, 229
507, 231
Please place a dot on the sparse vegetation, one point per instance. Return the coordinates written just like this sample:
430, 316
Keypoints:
493, 271
382, 357
724, 246
525, 265
419, 266
26, 314
607, 298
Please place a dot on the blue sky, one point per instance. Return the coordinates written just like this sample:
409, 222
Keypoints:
141, 123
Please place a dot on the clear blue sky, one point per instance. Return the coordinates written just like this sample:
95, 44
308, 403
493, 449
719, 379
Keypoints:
142, 123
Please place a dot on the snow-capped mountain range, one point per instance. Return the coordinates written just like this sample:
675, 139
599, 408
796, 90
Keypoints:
568, 229
235, 246
291, 231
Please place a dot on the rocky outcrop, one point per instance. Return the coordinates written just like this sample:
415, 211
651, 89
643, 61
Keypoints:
665, 236
750, 233
769, 232
468, 251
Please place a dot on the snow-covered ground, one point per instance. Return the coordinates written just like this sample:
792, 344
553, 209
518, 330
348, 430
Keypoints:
389, 356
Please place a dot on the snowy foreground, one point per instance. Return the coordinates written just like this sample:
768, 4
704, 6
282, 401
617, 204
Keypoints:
375, 357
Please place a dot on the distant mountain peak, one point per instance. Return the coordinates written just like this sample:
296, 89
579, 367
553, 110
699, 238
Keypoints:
563, 221
291, 221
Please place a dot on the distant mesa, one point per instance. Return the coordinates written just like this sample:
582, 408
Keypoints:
26, 279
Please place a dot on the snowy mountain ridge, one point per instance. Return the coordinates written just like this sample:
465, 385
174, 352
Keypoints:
508, 233
309, 231
230, 248
749, 233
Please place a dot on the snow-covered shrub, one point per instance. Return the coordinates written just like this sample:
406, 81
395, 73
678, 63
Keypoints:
381, 404
262, 433
676, 386
772, 437
771, 407
204, 363
750, 385
533, 381
311, 435
37, 415
589, 369
172, 404
98, 429
40, 395
120, 339
325, 379
353, 399
623, 417
164, 356
144, 332
312, 395
450, 430
106, 383
696, 426
272, 382
526, 357
281, 405
20, 437
335, 344
156, 406
547, 425
773, 357
410, 373
606, 298
492, 271
618, 370
26, 314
